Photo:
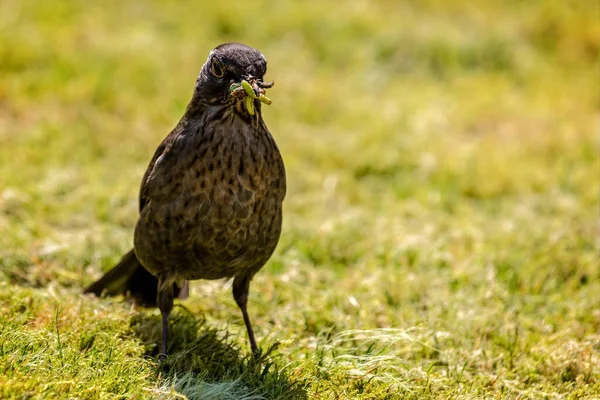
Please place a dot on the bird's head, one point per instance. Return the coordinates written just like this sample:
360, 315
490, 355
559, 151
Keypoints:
233, 76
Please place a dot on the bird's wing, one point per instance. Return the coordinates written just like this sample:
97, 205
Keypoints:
175, 170
144, 187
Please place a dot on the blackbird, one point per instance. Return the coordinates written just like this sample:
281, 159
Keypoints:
211, 199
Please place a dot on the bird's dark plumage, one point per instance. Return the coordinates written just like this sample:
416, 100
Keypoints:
131, 278
211, 198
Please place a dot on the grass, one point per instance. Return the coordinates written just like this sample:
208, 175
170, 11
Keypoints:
441, 234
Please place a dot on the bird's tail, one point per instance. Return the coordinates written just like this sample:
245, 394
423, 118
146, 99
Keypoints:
130, 278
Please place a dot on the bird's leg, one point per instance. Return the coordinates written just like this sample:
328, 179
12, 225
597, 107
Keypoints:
241, 285
165, 304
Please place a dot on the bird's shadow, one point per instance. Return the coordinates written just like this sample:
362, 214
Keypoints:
207, 355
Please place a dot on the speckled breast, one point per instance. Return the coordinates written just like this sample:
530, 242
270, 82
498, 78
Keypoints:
214, 212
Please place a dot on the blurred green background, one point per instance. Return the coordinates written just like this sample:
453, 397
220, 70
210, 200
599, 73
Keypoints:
441, 231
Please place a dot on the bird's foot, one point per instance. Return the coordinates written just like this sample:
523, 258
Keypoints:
257, 354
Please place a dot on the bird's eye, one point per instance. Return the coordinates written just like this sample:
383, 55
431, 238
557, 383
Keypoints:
217, 69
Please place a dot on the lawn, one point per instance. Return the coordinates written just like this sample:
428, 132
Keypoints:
441, 227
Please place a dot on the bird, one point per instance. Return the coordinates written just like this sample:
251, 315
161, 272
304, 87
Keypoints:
210, 201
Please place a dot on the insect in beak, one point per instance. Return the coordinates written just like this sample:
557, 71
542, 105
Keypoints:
249, 92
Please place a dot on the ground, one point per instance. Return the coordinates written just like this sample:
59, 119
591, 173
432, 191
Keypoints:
441, 234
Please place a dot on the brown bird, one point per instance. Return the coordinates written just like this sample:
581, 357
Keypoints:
211, 198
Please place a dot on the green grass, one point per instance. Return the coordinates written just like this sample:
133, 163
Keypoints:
441, 234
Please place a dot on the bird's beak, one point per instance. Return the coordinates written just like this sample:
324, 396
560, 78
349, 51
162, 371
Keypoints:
249, 90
